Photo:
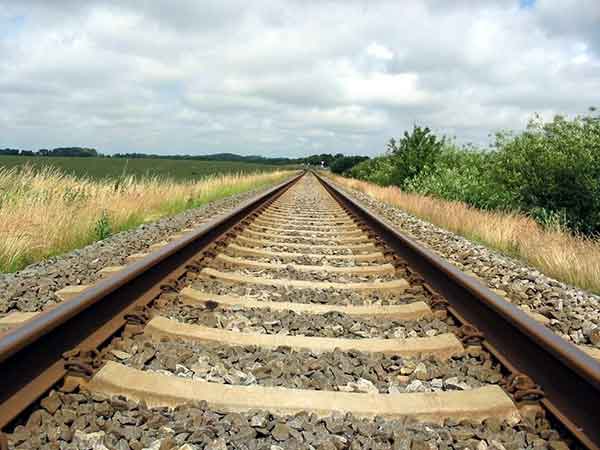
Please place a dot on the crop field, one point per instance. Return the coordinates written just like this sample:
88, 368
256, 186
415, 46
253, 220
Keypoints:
115, 167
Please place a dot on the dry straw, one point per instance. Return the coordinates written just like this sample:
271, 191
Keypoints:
557, 253
46, 212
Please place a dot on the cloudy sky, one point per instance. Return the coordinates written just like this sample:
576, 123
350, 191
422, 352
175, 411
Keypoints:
287, 77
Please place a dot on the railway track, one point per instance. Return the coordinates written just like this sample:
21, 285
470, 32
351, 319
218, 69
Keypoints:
298, 320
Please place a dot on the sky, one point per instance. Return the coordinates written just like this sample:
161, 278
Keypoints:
287, 78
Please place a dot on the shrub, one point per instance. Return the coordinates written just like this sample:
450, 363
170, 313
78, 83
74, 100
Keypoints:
463, 175
376, 170
413, 153
553, 170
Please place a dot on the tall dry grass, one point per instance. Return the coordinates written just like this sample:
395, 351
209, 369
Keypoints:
46, 212
557, 253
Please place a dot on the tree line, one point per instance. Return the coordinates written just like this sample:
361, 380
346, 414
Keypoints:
59, 151
338, 163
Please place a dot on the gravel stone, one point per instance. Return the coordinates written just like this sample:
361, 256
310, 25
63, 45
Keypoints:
280, 432
558, 445
89, 441
206, 428
351, 371
51, 403
293, 274
320, 296
265, 321
217, 444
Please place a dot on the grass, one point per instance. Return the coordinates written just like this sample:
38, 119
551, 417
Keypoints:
45, 212
116, 167
555, 252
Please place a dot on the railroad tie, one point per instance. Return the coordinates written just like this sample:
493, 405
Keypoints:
15, 319
158, 390
442, 346
301, 226
398, 285
109, 270
311, 233
381, 269
335, 239
321, 222
368, 246
249, 251
311, 215
410, 311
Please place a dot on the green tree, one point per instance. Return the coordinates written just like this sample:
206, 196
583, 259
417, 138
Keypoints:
413, 153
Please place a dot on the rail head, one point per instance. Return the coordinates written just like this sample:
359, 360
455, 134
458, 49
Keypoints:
569, 377
93, 316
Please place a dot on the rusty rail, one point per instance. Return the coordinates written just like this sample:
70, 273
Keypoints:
32, 356
569, 378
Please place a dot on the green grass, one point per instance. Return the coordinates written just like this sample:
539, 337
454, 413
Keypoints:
114, 167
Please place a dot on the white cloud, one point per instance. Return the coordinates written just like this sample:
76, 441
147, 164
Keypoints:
347, 119
385, 89
287, 77
379, 51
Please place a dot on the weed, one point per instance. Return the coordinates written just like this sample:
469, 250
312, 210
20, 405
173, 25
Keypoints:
102, 229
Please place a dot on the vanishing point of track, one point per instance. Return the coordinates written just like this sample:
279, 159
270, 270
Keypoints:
300, 301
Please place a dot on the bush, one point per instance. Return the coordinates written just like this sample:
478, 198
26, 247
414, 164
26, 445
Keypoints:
406, 158
553, 170
376, 170
463, 175
413, 153
550, 171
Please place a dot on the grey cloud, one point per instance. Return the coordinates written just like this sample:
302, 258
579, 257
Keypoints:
578, 20
288, 77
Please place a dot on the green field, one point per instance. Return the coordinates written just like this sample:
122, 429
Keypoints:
115, 167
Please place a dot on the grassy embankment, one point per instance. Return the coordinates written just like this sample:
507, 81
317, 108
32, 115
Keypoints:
559, 254
99, 168
45, 212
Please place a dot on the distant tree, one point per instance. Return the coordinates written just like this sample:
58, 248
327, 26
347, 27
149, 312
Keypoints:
9, 151
344, 163
74, 151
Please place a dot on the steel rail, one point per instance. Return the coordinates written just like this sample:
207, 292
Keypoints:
31, 355
569, 378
